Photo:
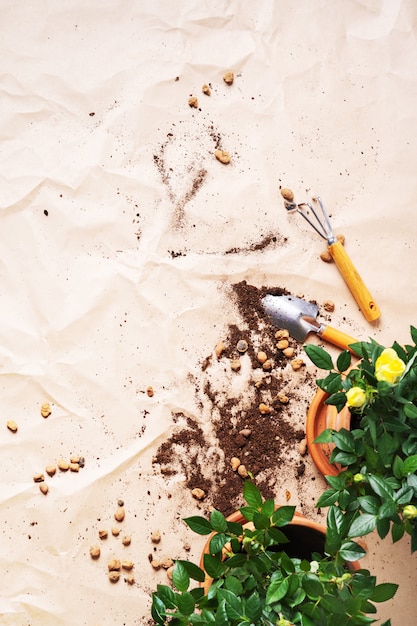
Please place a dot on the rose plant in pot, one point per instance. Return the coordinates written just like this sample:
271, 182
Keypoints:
249, 574
377, 486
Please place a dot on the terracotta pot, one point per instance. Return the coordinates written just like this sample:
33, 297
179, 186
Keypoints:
319, 417
305, 535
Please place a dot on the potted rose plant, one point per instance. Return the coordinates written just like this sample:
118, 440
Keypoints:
377, 487
253, 580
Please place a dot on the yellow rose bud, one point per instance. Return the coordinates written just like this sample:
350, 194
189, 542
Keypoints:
410, 511
358, 478
389, 367
356, 397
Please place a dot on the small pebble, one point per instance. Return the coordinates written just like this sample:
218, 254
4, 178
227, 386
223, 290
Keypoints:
302, 447
206, 90
51, 470
222, 156
114, 565
193, 102
198, 494
156, 564
114, 576
261, 356
297, 364
246, 432
128, 565
155, 536
228, 78
38, 478
235, 365
234, 463
103, 534
150, 391
267, 365
170, 572
119, 514
264, 409
127, 540
242, 471
242, 346
282, 344
46, 409
129, 580
12, 426
282, 333
341, 238
288, 352
287, 194
219, 349
328, 306
95, 552
43, 487
115, 531
326, 256
166, 562
63, 465
74, 467
74, 458
120, 502
283, 398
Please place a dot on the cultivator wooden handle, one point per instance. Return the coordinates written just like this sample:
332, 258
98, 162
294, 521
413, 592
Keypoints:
354, 281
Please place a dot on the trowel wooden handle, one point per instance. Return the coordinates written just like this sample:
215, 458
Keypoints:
336, 337
355, 283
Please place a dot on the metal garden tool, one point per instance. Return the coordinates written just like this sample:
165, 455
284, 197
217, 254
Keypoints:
338, 253
299, 318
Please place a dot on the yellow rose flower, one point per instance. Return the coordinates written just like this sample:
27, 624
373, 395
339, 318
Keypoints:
356, 397
410, 511
389, 367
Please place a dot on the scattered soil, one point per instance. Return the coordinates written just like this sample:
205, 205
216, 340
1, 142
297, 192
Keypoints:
267, 444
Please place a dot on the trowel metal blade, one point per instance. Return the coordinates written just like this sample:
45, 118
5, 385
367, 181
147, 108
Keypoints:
294, 314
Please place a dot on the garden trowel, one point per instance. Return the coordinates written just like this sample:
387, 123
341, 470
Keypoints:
299, 318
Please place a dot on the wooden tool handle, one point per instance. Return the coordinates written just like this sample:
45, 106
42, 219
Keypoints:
355, 283
336, 337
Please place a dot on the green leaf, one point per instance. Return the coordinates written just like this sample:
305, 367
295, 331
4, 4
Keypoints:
387, 510
158, 610
338, 400
409, 466
397, 532
167, 596
333, 534
344, 440
362, 525
380, 487
180, 577
233, 584
277, 536
331, 384
247, 512
268, 508
383, 526
283, 515
217, 542
218, 521
330, 496
261, 522
369, 504
410, 410
276, 590
397, 466
312, 586
404, 495
233, 604
319, 357
351, 551
199, 525
343, 458
194, 572
343, 361
325, 437
185, 603
214, 565
384, 592
252, 494
253, 607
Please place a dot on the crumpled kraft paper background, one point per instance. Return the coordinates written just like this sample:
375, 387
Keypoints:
119, 230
